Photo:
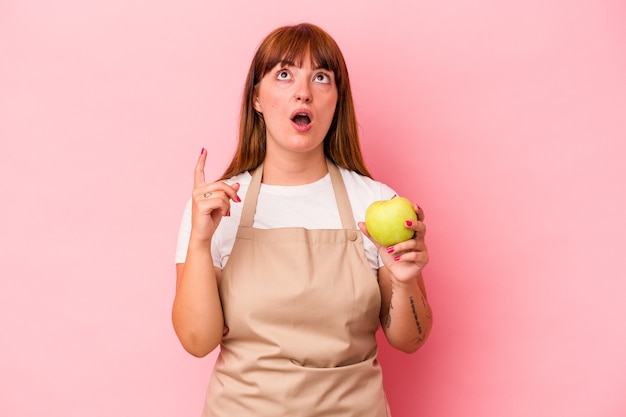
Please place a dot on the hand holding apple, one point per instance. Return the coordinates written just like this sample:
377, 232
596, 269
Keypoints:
385, 220
405, 258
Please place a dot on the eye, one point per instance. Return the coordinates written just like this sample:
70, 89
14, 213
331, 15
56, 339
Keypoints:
283, 75
322, 77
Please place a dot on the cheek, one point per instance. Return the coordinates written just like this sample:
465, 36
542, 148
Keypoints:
266, 97
272, 101
333, 98
331, 106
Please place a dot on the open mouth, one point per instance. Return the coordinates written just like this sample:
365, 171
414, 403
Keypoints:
301, 119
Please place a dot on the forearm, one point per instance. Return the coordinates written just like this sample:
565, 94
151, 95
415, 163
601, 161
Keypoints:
197, 311
407, 321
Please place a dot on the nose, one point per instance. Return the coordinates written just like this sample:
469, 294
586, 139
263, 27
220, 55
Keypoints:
303, 92
304, 98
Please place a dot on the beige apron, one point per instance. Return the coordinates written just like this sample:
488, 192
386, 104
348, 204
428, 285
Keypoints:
303, 308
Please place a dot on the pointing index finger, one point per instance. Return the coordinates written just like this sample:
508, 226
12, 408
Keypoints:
198, 178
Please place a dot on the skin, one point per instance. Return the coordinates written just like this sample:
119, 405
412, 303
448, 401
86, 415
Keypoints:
406, 316
197, 310
294, 156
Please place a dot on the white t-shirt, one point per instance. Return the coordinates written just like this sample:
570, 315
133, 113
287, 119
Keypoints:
311, 206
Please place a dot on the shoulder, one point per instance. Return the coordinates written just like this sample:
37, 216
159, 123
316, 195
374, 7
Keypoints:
243, 179
363, 191
365, 188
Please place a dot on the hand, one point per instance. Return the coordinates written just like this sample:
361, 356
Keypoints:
405, 260
210, 202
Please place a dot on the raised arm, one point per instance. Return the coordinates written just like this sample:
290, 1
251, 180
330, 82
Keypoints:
197, 310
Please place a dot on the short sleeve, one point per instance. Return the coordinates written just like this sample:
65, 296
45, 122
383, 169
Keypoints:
386, 193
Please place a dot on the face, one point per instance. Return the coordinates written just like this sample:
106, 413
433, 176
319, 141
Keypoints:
298, 104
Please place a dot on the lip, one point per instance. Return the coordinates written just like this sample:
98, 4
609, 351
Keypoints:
302, 128
302, 111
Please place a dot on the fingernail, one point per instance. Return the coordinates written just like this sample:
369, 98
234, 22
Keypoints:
237, 199
228, 213
390, 249
397, 258
409, 223
202, 151
419, 208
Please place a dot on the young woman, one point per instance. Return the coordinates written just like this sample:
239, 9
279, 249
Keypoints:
273, 262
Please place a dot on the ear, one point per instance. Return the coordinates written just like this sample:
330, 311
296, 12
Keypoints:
257, 105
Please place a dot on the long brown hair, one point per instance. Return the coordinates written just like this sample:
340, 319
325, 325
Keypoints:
290, 44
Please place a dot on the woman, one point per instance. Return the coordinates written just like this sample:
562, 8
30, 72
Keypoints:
271, 265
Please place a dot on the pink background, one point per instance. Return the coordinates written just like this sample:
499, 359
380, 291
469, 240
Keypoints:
506, 121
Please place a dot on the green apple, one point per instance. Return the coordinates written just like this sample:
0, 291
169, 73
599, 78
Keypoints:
385, 219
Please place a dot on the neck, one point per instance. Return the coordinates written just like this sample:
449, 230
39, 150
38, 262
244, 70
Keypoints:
294, 170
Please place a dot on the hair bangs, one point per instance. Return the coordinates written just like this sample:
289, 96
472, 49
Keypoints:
290, 45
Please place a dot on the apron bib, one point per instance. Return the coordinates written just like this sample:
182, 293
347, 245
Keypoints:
302, 307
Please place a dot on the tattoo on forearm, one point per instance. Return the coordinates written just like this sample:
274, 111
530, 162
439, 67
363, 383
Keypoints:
417, 321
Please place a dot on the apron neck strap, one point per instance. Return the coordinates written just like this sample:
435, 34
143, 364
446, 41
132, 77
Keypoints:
341, 195
339, 188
